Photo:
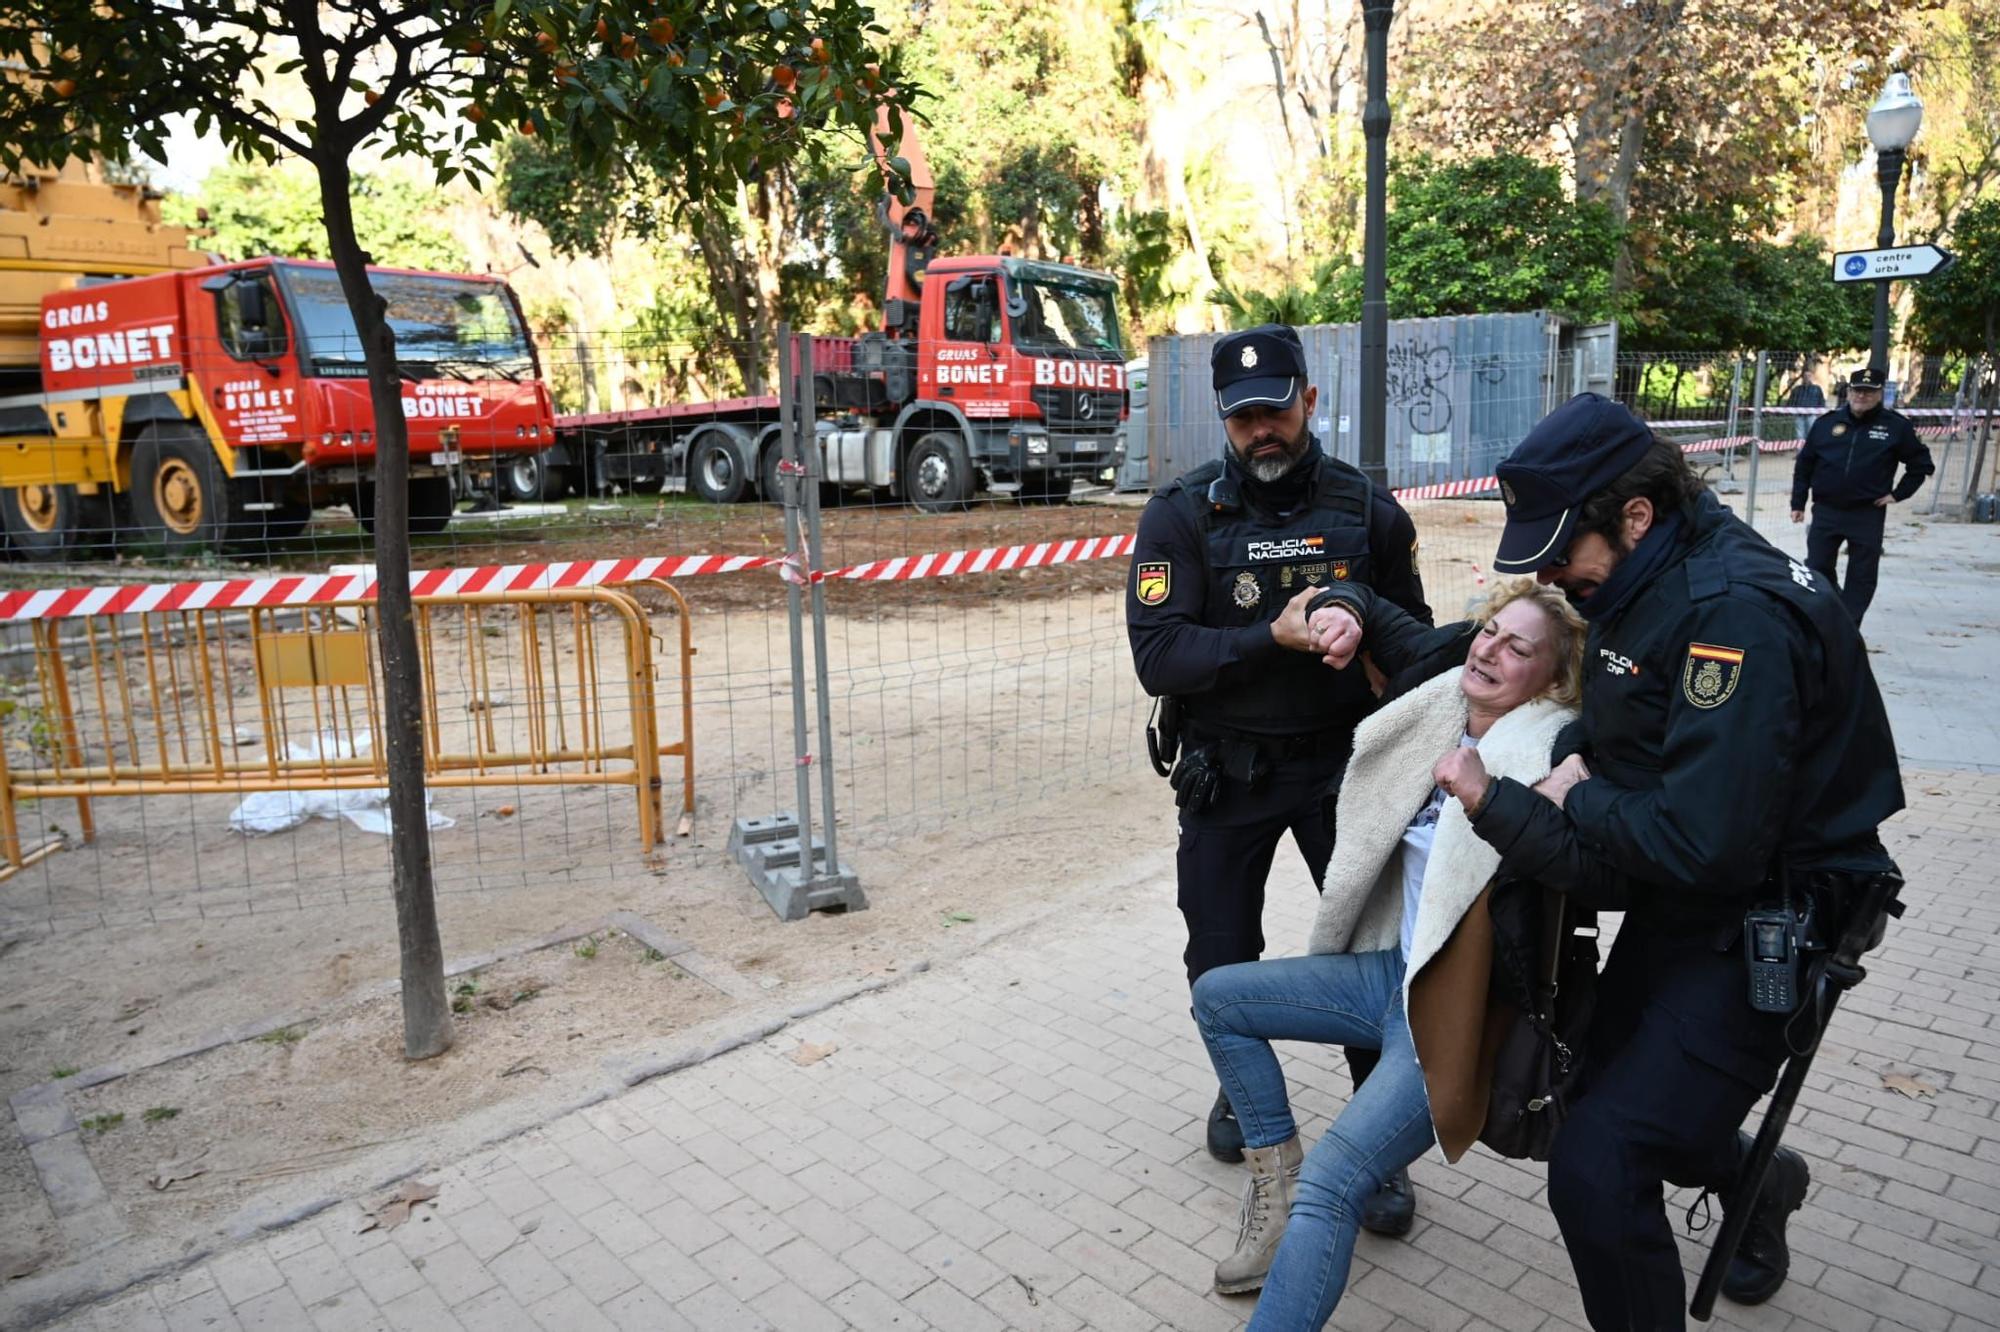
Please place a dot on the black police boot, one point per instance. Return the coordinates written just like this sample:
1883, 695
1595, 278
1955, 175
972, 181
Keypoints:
1392, 1209
1763, 1260
1225, 1135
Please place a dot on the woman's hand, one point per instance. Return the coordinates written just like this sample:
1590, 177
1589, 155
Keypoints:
1336, 634
1567, 774
1462, 774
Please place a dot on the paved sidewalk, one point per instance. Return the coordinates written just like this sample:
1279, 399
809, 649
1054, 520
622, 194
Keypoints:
1014, 1142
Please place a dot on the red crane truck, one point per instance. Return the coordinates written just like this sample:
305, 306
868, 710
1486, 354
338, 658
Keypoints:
148, 394
989, 372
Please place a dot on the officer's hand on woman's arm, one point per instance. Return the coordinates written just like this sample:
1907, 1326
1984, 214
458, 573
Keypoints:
1290, 629
1556, 786
1885, 501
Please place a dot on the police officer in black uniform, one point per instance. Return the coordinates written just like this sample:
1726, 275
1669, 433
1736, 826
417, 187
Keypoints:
1848, 465
1739, 759
1226, 559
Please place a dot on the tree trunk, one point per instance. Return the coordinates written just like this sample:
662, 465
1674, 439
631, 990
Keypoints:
427, 1028
1978, 473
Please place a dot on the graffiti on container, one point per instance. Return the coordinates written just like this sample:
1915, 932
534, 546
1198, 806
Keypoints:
1488, 369
1420, 384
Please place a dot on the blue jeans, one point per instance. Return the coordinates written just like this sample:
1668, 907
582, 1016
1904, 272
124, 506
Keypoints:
1341, 999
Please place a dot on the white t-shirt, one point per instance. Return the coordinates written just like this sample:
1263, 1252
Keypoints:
1417, 839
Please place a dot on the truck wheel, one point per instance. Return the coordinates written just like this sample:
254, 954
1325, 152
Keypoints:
1041, 488
527, 478
42, 522
938, 476
715, 470
431, 505
769, 483
181, 500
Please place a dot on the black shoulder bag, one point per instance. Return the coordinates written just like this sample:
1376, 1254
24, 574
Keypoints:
1540, 1060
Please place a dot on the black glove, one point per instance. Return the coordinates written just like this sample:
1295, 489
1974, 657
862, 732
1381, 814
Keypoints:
1196, 779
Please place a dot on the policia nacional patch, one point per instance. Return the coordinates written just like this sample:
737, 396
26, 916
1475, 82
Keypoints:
1152, 583
1711, 674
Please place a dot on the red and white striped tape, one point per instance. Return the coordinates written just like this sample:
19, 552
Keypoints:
359, 585
23, 605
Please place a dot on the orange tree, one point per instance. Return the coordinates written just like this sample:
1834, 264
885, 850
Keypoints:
726, 89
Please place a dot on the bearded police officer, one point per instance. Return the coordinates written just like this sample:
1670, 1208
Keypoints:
1848, 466
1227, 557
1739, 763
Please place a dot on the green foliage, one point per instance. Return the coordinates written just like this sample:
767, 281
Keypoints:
103, 1123
1487, 235
1959, 309
160, 1114
1702, 283
255, 210
1492, 235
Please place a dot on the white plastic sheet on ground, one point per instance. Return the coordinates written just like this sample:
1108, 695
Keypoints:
266, 812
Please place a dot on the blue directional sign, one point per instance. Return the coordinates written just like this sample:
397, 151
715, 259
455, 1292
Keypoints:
1902, 263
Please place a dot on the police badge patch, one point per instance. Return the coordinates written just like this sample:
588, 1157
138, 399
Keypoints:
1248, 591
1711, 674
1152, 582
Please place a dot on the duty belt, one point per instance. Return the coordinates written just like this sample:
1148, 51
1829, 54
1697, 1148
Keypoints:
1333, 742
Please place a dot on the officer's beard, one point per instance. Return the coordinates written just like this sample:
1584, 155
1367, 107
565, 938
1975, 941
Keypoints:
1273, 465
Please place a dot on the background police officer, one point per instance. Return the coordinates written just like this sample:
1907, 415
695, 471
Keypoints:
1737, 746
1848, 465
1226, 558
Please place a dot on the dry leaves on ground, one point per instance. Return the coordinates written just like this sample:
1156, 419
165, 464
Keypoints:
1907, 1085
395, 1210
808, 1053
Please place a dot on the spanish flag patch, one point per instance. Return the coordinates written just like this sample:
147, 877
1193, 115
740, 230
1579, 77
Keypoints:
1711, 674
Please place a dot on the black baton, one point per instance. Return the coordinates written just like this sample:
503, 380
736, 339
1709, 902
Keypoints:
1836, 973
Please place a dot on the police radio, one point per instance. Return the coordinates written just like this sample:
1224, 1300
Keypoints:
1771, 948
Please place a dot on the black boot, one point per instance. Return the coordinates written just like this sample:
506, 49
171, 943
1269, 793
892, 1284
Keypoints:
1763, 1260
1392, 1209
1225, 1135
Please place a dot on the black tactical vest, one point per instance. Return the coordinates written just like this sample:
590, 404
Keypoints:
1256, 561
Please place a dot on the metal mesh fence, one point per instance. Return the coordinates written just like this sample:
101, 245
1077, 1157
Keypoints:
1005, 683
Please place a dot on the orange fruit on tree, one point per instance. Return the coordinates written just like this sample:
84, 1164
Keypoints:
784, 108
661, 30
819, 51
546, 43
371, 97
474, 112
528, 128
603, 30
785, 77
63, 88
565, 72
676, 59
714, 98
475, 47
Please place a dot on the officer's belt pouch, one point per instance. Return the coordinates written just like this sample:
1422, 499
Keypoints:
1245, 762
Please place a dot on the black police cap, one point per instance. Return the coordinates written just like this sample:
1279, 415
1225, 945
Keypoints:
1257, 367
1572, 453
1867, 377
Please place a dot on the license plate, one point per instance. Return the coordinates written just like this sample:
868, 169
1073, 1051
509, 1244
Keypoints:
446, 459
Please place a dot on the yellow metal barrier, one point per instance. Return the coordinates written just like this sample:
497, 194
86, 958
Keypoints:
553, 688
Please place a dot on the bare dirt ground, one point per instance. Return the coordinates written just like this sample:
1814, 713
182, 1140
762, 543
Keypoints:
987, 735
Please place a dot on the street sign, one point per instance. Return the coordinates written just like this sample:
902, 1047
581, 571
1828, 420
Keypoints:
1909, 261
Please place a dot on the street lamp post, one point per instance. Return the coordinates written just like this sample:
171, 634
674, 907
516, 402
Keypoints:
1892, 123
1374, 254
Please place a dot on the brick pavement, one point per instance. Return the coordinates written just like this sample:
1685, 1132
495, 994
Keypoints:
1013, 1142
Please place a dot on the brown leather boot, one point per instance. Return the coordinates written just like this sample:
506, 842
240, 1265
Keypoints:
1267, 1205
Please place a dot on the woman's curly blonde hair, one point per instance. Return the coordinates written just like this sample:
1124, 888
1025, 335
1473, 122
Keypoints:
1567, 687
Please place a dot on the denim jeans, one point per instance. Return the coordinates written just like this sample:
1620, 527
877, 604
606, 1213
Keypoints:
1340, 999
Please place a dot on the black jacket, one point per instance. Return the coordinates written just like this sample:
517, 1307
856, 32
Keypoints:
1208, 580
1733, 724
1849, 461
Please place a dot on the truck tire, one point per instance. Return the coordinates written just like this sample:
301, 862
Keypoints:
1041, 488
44, 523
769, 486
527, 478
431, 505
182, 501
715, 469
937, 478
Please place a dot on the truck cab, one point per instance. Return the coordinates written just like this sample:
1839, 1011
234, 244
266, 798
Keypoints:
1004, 373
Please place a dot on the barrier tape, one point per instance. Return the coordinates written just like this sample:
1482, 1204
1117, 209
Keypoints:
358, 584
